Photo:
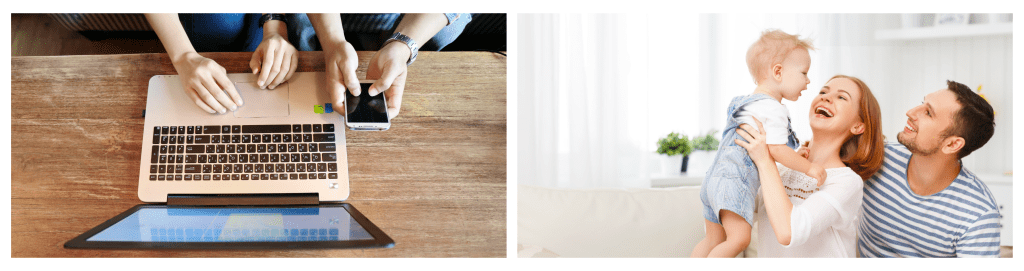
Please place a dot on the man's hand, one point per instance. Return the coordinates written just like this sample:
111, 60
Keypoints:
207, 83
341, 60
388, 67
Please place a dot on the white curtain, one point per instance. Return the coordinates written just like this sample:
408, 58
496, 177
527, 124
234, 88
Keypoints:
582, 100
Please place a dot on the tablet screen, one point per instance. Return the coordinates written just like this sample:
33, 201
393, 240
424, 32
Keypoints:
150, 226
235, 225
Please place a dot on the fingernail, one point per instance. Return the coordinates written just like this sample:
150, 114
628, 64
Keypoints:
233, 108
222, 111
239, 102
272, 87
372, 91
260, 83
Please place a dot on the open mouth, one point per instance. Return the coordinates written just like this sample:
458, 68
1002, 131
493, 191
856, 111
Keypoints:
910, 127
823, 111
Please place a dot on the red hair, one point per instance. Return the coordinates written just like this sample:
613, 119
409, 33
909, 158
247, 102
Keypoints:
864, 152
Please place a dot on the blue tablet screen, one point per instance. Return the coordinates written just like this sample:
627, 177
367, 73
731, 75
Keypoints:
201, 224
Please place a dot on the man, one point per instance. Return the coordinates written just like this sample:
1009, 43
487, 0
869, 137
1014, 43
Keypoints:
923, 202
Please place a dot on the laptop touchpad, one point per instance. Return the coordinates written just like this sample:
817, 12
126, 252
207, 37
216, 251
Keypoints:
261, 103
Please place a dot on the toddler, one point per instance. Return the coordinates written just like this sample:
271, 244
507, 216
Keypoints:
778, 62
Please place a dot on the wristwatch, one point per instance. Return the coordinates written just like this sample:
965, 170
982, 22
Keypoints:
271, 16
413, 48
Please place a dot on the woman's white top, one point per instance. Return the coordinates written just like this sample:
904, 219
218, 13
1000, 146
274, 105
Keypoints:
824, 220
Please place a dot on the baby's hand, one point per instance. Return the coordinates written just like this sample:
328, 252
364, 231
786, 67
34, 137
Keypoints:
818, 173
804, 150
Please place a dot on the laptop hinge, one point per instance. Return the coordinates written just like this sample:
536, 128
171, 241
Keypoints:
243, 199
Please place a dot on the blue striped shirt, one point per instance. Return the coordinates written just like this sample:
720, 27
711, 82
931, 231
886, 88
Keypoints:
959, 221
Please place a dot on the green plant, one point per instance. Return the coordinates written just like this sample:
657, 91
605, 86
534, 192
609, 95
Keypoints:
673, 144
707, 142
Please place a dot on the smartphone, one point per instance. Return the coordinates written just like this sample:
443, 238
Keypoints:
366, 113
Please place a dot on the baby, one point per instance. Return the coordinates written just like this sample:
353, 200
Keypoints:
778, 62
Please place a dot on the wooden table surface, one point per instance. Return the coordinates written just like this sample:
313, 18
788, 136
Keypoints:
76, 133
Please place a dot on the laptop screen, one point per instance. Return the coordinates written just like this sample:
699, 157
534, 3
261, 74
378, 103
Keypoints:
235, 224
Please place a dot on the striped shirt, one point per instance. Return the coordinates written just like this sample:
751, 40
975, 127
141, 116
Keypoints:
962, 220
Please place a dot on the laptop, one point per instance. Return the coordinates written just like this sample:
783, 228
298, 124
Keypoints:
272, 174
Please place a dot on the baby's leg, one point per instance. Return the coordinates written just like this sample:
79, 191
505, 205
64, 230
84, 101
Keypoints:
713, 235
737, 235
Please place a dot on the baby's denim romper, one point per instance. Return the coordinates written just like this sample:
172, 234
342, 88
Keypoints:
732, 182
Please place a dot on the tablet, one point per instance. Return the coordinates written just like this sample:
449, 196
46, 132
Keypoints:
235, 227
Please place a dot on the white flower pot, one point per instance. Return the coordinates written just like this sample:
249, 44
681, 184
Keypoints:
670, 165
699, 162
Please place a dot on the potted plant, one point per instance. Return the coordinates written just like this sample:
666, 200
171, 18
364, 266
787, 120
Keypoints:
705, 148
674, 150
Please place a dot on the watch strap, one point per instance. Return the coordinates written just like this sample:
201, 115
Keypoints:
271, 16
413, 47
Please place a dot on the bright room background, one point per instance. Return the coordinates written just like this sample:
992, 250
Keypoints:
596, 91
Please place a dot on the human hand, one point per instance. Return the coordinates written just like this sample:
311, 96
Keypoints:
804, 150
817, 172
275, 60
341, 60
388, 67
755, 142
207, 83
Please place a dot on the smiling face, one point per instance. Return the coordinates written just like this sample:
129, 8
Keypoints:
927, 123
794, 74
837, 107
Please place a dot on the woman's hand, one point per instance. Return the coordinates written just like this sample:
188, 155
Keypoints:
342, 61
275, 60
755, 142
388, 67
207, 83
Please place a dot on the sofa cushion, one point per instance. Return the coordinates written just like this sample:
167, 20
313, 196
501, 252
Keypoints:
657, 222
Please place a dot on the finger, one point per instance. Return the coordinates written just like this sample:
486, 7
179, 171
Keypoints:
760, 127
229, 87
282, 71
255, 62
394, 96
334, 83
277, 70
742, 143
350, 80
387, 77
199, 102
204, 94
294, 66
268, 65
218, 93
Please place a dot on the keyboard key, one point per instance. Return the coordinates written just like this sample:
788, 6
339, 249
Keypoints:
179, 158
156, 130
283, 176
160, 177
216, 168
192, 168
177, 168
266, 138
191, 130
264, 177
300, 167
306, 128
181, 130
264, 158
206, 177
152, 177
163, 159
314, 157
220, 148
191, 139
332, 167
311, 167
211, 129
163, 139
282, 147
156, 139
317, 128
211, 149
273, 177
302, 147
307, 137
247, 168
236, 129
181, 139
279, 168
164, 130
250, 148
223, 158
286, 138
323, 138
268, 168
322, 176
177, 177
261, 148
290, 168
243, 158
295, 157
327, 147
257, 168
202, 139
190, 158
226, 129
174, 130
227, 169
329, 157
194, 149
256, 139
188, 177
234, 177
236, 139
332, 176
302, 176
293, 176
321, 167
207, 168
216, 177
202, 159
237, 168
155, 156
253, 158
329, 128
305, 157
254, 177
246, 138
296, 128
264, 129
229, 149
245, 177
233, 158
277, 138
313, 147
274, 158
240, 148
153, 168
215, 139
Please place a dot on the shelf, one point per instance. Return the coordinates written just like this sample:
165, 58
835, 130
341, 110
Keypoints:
939, 32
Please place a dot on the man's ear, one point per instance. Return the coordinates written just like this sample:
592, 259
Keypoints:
952, 144
777, 72
857, 128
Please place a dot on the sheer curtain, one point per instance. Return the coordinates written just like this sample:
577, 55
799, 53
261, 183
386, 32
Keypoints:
583, 118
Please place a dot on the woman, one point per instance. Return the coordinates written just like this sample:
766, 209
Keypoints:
811, 221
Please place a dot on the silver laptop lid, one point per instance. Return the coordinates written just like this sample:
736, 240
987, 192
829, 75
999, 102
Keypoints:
267, 113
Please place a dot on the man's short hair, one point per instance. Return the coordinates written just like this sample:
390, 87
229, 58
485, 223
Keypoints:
772, 48
975, 121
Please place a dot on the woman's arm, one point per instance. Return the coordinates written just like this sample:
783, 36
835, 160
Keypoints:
339, 56
275, 60
388, 66
776, 201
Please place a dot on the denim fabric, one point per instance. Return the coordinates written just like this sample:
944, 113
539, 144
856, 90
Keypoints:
222, 32
731, 182
367, 32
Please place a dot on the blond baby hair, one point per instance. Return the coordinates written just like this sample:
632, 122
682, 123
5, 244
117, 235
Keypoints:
772, 48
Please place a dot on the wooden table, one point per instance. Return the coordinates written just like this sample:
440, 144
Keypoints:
435, 182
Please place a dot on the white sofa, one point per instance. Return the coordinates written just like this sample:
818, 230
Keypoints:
655, 222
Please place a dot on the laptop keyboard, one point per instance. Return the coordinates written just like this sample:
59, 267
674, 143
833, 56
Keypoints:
244, 153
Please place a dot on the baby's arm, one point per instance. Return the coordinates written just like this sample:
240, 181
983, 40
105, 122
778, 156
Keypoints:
789, 158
